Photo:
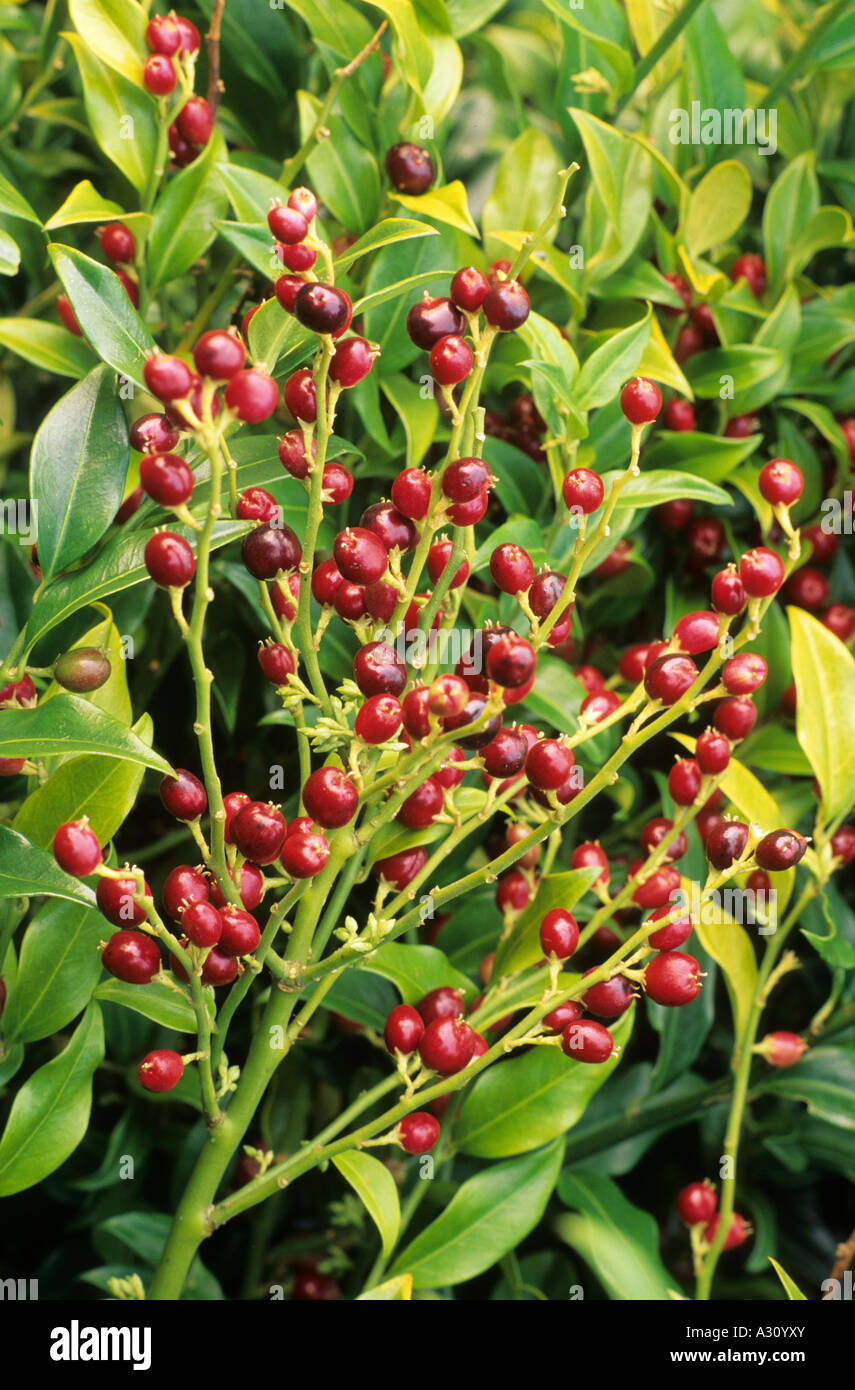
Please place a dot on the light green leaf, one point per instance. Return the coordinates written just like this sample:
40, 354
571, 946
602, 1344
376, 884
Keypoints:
415, 970
155, 1001
824, 673
612, 364
121, 114
107, 317
50, 1113
718, 206
184, 216
47, 345
524, 189
58, 969
617, 1240
792, 1289
375, 1187
448, 204
114, 30
26, 871
68, 724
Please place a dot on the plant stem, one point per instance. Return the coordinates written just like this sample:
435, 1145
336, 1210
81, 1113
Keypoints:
801, 55
658, 50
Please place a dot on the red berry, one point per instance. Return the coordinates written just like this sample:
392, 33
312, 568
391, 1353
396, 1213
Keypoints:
270, 550
548, 764
697, 632
400, 869
583, 488
712, 751
168, 378
304, 200
469, 288
117, 243
325, 581
183, 796
739, 1227
673, 934
276, 662
672, 979
705, 539
547, 588
779, 850
82, 669
511, 662
669, 677
430, 320
659, 829
404, 1027
349, 601
202, 924
744, 673
451, 360
761, 572
469, 513
287, 224
465, 478
505, 755
696, 1204
418, 1132
513, 891
323, 308
559, 934
735, 718
410, 168
437, 560
115, 898
351, 361
679, 416
257, 504
446, 1045
839, 618
161, 1070
360, 555
823, 543
728, 594
219, 354
195, 121
219, 969
252, 395
411, 493
512, 568
159, 75
330, 797
297, 258
304, 854
166, 479
655, 888
76, 848
782, 1049
183, 886
751, 269
674, 515
258, 830
558, 1019
843, 844
390, 526
589, 856
640, 401
807, 588
608, 998
599, 705
378, 720
506, 306
131, 956
726, 843
443, 1002
163, 35
153, 434
240, 934
422, 806
587, 1041
377, 670
781, 482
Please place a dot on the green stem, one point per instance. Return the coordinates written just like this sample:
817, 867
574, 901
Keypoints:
801, 55
668, 36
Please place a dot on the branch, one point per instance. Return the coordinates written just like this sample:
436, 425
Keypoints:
212, 43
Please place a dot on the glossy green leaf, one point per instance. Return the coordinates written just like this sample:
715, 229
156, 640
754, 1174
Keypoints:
78, 467
85, 204
416, 969
447, 204
10, 254
419, 414
343, 174
531, 1099
47, 345
489, 1215
375, 1187
58, 970
391, 229
791, 1288
663, 485
701, 455
14, 204
525, 187
102, 789
398, 1290
718, 206
824, 1079
730, 945
612, 364
26, 870
108, 319
155, 1001
824, 673
120, 113
184, 216
69, 724
114, 30
617, 1240
50, 1113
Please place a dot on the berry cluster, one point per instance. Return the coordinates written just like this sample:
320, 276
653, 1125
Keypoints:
174, 42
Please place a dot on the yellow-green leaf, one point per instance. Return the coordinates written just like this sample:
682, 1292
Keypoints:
375, 1187
448, 204
718, 206
824, 673
729, 944
398, 1290
794, 1293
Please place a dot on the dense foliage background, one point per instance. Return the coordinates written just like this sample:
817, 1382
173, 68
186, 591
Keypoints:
570, 1191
